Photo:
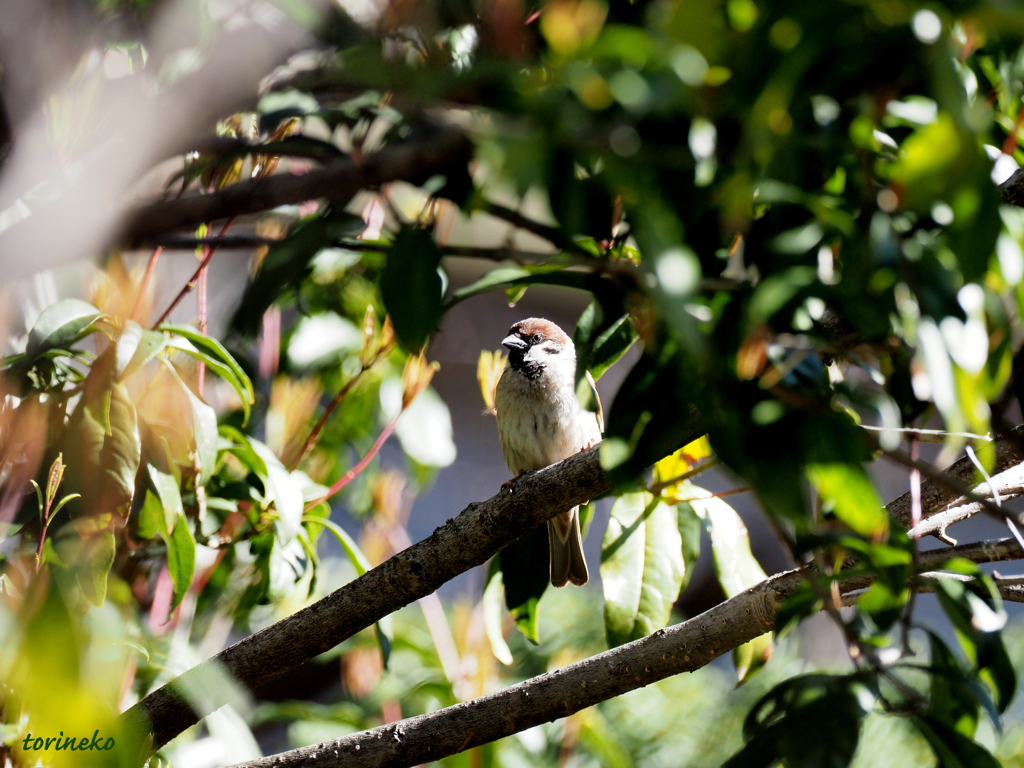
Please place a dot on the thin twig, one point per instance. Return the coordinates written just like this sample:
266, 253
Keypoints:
553, 235
314, 435
929, 435
349, 476
657, 488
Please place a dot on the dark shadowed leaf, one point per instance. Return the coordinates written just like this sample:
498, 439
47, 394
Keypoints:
411, 286
953, 749
526, 573
288, 262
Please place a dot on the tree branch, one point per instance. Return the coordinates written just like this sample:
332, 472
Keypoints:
681, 648
411, 161
479, 532
936, 497
553, 235
1008, 484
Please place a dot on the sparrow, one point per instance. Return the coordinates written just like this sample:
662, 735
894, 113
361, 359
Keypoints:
541, 422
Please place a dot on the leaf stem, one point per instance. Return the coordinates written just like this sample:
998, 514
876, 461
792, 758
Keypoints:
208, 255
314, 435
349, 476
657, 488
146, 278
202, 307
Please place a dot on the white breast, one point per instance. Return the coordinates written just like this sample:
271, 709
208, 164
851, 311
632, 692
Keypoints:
540, 421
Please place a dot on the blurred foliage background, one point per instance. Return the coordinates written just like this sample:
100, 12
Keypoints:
788, 216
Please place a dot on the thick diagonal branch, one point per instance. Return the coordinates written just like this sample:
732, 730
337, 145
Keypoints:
681, 648
479, 532
412, 161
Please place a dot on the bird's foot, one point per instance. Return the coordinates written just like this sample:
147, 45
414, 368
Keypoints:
508, 484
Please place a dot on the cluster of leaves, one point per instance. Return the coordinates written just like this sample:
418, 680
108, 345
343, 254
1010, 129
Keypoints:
800, 184
791, 206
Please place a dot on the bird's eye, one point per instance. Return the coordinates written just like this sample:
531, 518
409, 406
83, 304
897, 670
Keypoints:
537, 338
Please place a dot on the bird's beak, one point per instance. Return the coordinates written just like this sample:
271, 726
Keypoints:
514, 344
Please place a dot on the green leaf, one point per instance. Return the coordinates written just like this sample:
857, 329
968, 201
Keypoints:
735, 565
736, 568
355, 554
597, 738
383, 629
587, 328
95, 559
951, 699
515, 279
411, 287
241, 447
217, 367
526, 572
611, 345
218, 350
847, 491
976, 612
149, 345
152, 522
288, 261
101, 444
953, 749
652, 411
204, 435
169, 495
689, 526
60, 325
181, 559
642, 567
808, 721
492, 599
283, 489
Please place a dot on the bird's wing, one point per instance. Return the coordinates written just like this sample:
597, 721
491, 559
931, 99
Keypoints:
597, 397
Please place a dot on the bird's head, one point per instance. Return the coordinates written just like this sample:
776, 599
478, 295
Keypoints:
535, 341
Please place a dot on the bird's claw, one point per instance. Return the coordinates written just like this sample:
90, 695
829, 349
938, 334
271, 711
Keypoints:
508, 484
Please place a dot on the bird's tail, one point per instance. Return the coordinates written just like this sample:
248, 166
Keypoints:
567, 561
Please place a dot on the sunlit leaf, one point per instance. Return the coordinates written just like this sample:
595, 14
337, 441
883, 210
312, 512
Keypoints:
492, 600
283, 489
641, 567
181, 559
846, 490
735, 566
60, 325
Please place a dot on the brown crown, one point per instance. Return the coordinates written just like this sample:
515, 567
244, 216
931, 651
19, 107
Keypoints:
527, 328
